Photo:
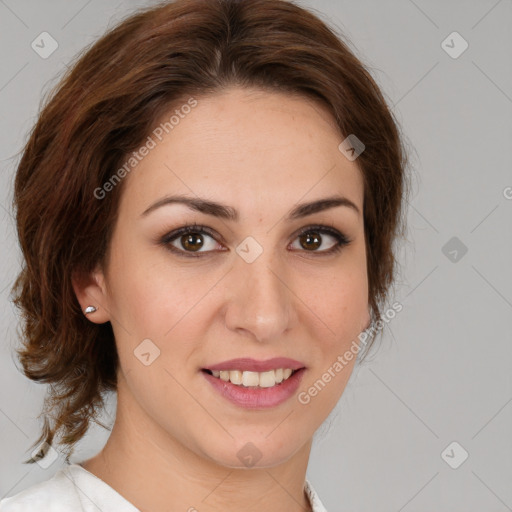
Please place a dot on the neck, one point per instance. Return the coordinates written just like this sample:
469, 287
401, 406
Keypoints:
153, 471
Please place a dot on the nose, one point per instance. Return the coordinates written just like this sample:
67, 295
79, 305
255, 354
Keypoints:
260, 299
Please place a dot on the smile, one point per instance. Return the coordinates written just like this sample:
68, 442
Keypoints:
266, 379
262, 392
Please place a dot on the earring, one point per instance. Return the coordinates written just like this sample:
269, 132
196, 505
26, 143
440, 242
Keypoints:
89, 309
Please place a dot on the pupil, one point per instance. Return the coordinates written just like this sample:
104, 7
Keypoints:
311, 238
191, 240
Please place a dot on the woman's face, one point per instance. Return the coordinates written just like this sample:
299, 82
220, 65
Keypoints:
246, 285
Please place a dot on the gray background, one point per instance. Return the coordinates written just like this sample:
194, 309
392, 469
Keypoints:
442, 373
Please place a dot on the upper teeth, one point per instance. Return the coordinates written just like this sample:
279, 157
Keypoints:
261, 379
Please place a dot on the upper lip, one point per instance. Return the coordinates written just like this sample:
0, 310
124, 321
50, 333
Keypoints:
253, 365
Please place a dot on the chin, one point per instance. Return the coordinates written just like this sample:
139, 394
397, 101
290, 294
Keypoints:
254, 451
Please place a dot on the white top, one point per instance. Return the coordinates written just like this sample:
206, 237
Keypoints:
74, 489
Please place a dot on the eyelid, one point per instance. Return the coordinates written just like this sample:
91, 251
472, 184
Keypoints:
172, 235
342, 240
325, 227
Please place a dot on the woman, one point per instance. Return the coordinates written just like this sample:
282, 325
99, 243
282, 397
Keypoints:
206, 208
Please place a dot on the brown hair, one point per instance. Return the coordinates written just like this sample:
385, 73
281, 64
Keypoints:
106, 105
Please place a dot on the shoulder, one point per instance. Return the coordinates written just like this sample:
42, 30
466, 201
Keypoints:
56, 494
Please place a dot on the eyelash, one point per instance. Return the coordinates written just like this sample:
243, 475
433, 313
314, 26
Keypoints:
166, 240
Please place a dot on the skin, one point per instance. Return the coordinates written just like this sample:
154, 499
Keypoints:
175, 440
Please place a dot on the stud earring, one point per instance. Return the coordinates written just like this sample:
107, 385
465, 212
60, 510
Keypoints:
89, 309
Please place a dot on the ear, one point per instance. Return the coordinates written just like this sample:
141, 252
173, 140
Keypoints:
90, 290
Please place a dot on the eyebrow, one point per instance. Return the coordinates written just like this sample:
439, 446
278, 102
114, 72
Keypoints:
229, 213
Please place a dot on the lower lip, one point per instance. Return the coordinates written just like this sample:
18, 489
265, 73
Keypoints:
256, 398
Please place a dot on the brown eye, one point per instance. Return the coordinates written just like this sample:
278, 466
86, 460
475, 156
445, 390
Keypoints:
310, 240
192, 241
313, 237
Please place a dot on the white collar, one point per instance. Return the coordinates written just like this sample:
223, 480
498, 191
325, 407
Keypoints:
83, 479
314, 500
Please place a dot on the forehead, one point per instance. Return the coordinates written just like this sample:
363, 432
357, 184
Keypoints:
245, 147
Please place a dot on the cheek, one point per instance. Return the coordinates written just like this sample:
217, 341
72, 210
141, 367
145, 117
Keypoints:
140, 288
346, 316
162, 301
340, 301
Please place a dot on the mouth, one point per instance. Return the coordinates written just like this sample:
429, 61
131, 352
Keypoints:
255, 390
250, 379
